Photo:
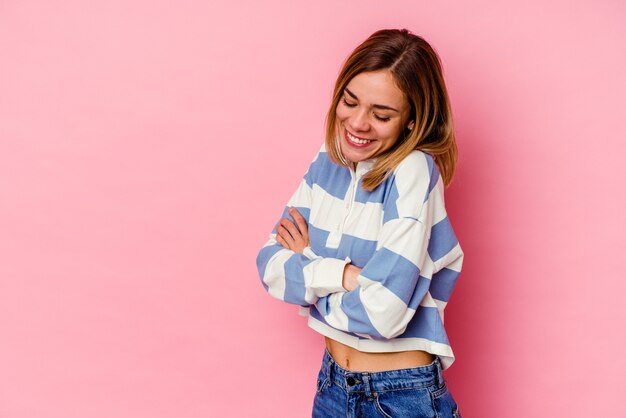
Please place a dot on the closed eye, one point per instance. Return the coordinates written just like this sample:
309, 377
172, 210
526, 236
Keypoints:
348, 103
345, 101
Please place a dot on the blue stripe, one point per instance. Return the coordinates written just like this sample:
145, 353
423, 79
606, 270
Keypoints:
309, 177
442, 239
334, 179
305, 212
359, 250
423, 284
316, 312
321, 308
394, 271
358, 321
264, 256
426, 323
443, 283
390, 207
318, 238
433, 169
375, 196
294, 278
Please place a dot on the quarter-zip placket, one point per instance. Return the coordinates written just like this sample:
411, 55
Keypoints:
348, 204
350, 196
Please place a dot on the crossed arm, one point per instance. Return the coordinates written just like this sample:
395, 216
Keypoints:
296, 238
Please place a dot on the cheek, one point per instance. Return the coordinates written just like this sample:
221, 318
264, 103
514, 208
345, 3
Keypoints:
390, 134
341, 114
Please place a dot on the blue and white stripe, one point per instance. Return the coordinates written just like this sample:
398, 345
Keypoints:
400, 236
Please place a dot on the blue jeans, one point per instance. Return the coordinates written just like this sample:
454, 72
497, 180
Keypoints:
403, 393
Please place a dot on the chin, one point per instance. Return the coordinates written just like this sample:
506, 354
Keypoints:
355, 156
356, 159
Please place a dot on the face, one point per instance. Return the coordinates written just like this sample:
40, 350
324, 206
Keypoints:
371, 115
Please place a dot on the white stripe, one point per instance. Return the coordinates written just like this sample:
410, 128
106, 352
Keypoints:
336, 317
428, 301
329, 214
327, 211
365, 220
307, 273
406, 237
412, 184
453, 260
386, 311
439, 209
274, 275
441, 306
428, 269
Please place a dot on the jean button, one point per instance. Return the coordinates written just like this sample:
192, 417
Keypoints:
350, 381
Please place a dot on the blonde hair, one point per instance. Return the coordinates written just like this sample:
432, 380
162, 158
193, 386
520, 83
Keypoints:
416, 69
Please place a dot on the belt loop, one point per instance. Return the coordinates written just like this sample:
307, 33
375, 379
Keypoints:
329, 372
367, 379
440, 379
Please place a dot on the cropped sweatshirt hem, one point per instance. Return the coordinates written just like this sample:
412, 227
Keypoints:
443, 351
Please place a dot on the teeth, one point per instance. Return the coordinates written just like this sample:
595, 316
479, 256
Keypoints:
357, 140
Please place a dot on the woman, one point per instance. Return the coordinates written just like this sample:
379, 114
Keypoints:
365, 246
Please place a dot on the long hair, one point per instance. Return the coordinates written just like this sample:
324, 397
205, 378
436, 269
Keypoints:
416, 69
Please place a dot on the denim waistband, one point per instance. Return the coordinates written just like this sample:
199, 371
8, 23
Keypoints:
369, 382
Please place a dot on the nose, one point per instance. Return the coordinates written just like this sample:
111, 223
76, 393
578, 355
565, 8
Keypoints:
359, 121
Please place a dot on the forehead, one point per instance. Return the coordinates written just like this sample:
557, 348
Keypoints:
377, 87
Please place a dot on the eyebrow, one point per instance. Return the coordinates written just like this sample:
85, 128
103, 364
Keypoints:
377, 106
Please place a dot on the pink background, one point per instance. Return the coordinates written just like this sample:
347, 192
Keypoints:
147, 148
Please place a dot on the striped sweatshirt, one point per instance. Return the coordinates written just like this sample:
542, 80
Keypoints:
401, 237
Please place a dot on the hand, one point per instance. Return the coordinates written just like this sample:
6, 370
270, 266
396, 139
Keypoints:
292, 237
350, 275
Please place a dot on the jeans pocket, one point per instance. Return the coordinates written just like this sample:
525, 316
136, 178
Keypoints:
456, 413
405, 403
443, 402
380, 408
438, 391
322, 382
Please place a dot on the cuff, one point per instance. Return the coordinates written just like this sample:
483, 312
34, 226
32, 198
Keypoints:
329, 274
308, 252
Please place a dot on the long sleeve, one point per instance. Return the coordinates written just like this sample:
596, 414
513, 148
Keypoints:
396, 280
293, 277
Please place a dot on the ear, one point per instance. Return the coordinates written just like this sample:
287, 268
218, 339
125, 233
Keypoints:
411, 125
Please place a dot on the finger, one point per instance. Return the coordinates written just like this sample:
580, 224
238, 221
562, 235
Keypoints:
285, 235
300, 221
299, 240
282, 242
287, 224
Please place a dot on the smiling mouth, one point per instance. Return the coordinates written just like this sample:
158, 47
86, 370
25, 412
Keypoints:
356, 140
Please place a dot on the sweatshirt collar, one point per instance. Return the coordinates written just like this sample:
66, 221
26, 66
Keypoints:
363, 167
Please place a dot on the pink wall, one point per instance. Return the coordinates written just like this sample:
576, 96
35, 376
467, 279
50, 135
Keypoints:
146, 150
